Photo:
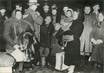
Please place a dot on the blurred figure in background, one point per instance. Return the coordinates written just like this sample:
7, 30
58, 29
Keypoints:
3, 17
46, 10
54, 13
97, 40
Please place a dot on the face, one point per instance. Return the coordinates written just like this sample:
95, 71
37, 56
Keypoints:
54, 12
46, 8
33, 7
75, 15
68, 13
18, 7
65, 9
2, 12
48, 20
101, 17
87, 10
96, 7
18, 15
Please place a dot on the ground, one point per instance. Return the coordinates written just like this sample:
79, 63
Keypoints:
85, 67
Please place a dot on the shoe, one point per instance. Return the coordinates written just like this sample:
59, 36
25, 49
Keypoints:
64, 67
71, 69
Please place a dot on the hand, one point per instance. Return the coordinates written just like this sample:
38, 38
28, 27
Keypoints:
37, 13
65, 28
16, 46
62, 48
34, 40
89, 59
99, 41
93, 41
57, 26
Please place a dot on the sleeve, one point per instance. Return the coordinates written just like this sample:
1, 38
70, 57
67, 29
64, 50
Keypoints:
77, 29
59, 35
7, 37
39, 20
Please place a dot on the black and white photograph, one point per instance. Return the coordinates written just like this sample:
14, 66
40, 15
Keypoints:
51, 36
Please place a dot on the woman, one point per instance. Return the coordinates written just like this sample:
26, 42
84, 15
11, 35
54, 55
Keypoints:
13, 28
71, 37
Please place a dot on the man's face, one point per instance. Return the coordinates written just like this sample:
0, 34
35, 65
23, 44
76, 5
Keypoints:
46, 8
87, 10
48, 20
2, 12
18, 15
96, 7
54, 12
33, 7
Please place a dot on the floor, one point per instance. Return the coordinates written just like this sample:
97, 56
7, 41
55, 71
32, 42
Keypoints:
85, 67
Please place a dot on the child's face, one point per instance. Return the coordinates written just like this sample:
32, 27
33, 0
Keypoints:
54, 12
48, 20
18, 15
87, 10
68, 13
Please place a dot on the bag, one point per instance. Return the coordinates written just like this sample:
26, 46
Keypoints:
18, 55
67, 38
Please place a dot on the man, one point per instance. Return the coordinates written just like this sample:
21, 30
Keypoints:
34, 17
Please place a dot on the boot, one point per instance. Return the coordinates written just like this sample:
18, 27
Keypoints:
71, 69
43, 61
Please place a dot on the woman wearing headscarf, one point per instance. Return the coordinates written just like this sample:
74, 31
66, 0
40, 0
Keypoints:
13, 28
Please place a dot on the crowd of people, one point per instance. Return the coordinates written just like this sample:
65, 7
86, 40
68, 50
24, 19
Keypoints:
48, 41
